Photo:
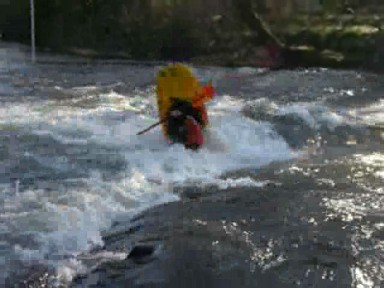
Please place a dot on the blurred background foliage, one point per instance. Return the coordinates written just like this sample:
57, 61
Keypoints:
185, 29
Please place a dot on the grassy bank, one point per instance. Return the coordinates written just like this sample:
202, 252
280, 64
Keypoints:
343, 40
224, 35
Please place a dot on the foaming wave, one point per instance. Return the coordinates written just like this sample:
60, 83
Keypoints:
62, 223
64, 217
304, 123
315, 115
234, 183
370, 115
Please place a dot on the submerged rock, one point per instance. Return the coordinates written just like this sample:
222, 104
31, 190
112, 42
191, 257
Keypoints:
140, 252
260, 240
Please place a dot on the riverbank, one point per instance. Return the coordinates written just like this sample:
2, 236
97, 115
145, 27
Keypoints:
232, 36
339, 41
291, 57
234, 33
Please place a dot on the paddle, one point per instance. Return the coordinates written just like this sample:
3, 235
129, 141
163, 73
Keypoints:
152, 126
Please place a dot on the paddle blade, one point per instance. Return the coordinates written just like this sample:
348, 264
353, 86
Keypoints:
204, 94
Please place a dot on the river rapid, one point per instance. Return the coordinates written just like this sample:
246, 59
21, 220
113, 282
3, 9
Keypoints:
71, 164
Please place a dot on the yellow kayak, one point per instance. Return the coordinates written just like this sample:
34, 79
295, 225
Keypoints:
179, 92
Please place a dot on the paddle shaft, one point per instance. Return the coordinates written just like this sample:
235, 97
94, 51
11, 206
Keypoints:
152, 126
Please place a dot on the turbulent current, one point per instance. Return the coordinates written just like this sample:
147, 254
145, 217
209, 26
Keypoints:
71, 163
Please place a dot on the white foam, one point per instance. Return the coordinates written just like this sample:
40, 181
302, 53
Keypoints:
240, 182
67, 222
67, 219
371, 115
361, 279
374, 161
247, 144
315, 115
301, 111
225, 104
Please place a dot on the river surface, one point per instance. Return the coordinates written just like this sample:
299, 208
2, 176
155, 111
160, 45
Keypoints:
71, 163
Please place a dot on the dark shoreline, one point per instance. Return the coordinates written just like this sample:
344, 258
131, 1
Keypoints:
212, 61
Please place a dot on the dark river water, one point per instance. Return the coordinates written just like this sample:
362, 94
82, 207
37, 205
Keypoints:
71, 163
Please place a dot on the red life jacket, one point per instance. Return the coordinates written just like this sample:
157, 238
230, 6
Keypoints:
195, 137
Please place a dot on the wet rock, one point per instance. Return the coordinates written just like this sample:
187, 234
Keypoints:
237, 237
141, 252
294, 129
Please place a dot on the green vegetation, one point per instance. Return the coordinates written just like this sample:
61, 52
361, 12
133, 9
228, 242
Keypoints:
350, 39
211, 32
120, 28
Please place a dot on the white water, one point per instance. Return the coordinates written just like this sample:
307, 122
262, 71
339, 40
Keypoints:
54, 220
65, 218
372, 114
